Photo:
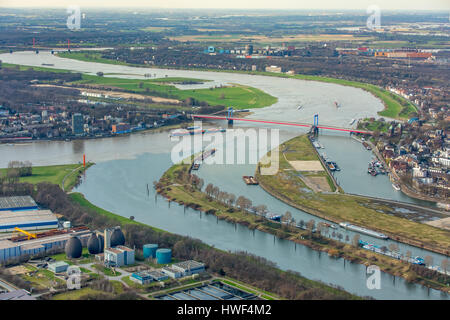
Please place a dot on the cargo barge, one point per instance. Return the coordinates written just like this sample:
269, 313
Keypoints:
362, 230
250, 180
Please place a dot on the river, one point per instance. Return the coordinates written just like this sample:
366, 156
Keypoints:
126, 164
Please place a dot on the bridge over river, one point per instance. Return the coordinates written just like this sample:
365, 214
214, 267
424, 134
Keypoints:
316, 125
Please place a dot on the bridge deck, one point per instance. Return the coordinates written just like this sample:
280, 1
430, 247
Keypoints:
287, 123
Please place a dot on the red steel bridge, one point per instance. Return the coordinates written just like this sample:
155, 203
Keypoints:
316, 125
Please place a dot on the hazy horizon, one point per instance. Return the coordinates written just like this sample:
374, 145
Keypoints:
402, 5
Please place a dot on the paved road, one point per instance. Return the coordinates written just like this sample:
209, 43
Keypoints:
8, 286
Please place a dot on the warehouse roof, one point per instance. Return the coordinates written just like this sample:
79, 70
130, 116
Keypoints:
189, 265
14, 203
123, 248
170, 269
113, 250
11, 218
156, 274
58, 264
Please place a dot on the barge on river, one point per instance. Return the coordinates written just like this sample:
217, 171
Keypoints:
250, 180
362, 230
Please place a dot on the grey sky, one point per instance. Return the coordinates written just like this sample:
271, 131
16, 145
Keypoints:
239, 4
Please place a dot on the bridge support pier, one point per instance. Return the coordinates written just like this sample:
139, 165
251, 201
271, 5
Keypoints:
314, 128
230, 116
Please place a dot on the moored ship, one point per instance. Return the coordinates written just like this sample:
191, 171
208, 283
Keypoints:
362, 230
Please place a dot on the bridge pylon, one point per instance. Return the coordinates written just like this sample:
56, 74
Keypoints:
230, 115
315, 129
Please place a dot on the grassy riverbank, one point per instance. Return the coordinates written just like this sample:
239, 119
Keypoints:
358, 210
238, 96
175, 188
56, 174
396, 106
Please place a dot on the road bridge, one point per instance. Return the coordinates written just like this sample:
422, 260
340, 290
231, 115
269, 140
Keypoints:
231, 119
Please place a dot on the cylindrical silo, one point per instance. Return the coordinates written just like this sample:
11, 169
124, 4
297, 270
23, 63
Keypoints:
163, 256
150, 250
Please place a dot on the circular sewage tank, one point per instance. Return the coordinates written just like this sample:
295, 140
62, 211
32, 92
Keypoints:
149, 250
163, 256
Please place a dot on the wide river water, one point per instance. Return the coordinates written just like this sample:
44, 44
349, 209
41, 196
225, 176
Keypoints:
125, 165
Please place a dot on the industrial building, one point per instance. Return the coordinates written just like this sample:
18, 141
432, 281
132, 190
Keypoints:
58, 267
27, 220
189, 267
142, 277
158, 276
183, 269
171, 272
115, 253
17, 203
16, 246
119, 256
145, 277
121, 128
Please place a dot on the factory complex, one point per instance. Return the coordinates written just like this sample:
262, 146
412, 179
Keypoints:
13, 247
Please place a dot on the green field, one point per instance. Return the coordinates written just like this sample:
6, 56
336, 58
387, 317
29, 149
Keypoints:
90, 57
301, 149
358, 210
54, 174
238, 96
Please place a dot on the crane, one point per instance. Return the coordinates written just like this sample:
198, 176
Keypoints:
30, 235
